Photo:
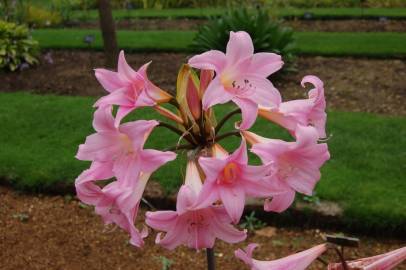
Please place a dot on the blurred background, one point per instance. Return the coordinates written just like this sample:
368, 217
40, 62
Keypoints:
49, 48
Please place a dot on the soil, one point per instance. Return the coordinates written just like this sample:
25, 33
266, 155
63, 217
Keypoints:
56, 232
351, 84
298, 25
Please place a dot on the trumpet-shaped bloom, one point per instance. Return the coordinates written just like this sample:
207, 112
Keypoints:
305, 112
296, 165
119, 205
196, 228
298, 261
230, 179
385, 261
241, 77
129, 89
122, 147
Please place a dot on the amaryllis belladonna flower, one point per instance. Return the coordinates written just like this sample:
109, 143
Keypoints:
298, 261
118, 152
196, 228
241, 77
230, 179
122, 146
304, 112
385, 261
129, 89
296, 165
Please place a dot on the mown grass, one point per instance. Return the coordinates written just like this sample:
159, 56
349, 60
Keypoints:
289, 12
308, 43
40, 135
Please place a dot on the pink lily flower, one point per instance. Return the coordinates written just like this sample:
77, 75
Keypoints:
119, 205
305, 112
241, 77
230, 179
298, 261
196, 228
122, 147
296, 165
385, 261
128, 89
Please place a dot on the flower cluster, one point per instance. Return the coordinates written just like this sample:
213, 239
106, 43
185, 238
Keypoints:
217, 183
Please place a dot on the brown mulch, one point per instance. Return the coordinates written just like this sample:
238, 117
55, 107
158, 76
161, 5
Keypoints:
351, 84
56, 232
355, 25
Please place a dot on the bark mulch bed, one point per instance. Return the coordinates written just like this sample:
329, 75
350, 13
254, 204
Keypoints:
298, 25
351, 84
56, 232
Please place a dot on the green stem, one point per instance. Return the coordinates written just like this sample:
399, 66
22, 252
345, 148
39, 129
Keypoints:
224, 120
227, 134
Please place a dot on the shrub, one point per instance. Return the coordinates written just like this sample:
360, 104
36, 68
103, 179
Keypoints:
267, 34
16, 46
39, 17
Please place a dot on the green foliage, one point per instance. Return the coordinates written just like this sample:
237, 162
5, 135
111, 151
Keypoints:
252, 223
267, 34
16, 46
41, 17
166, 263
338, 4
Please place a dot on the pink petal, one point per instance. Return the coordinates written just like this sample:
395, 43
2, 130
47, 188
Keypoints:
186, 199
212, 167
233, 199
100, 146
298, 261
86, 190
240, 155
124, 70
153, 159
281, 202
122, 112
108, 79
173, 238
212, 60
215, 94
118, 97
207, 196
103, 120
192, 178
249, 112
161, 220
127, 169
138, 131
265, 93
246, 255
226, 232
239, 47
264, 64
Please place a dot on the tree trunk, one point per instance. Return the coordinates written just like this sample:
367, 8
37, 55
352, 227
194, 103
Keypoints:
108, 29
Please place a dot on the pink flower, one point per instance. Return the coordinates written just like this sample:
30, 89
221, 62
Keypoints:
296, 165
128, 89
305, 112
385, 261
240, 77
119, 204
122, 147
298, 261
230, 179
196, 228
118, 151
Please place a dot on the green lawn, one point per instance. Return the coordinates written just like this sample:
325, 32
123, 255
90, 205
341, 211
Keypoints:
317, 13
40, 135
309, 43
